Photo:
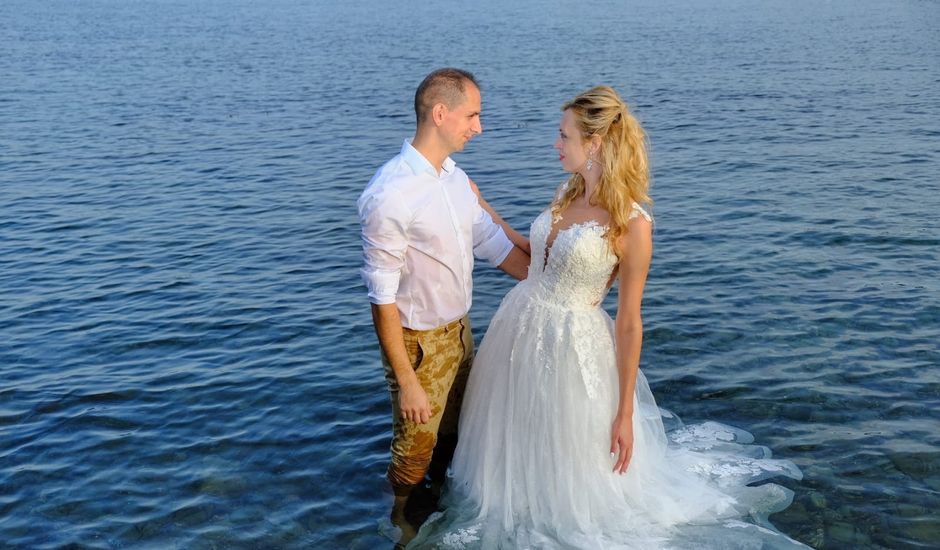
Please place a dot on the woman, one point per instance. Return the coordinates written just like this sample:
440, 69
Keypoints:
561, 442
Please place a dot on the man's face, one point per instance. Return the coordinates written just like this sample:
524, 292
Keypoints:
463, 121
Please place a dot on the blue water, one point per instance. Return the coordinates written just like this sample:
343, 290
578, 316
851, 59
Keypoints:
186, 354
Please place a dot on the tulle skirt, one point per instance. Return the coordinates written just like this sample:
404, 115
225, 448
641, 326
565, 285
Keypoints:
533, 467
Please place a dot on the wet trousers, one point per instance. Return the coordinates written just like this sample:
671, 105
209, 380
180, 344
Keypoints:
441, 358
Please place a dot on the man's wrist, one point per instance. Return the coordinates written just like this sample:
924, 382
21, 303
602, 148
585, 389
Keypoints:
408, 382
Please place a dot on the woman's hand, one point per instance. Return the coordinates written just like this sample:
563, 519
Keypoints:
514, 236
621, 442
476, 190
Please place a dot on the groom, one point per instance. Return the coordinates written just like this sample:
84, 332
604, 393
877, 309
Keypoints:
421, 226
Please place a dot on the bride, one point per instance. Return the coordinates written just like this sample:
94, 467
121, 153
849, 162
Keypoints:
561, 442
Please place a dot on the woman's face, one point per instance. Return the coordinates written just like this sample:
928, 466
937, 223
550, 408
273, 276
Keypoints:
572, 148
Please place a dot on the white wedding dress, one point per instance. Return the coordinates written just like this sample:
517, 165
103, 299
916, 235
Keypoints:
533, 467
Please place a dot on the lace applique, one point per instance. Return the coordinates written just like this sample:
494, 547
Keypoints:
523, 326
460, 538
538, 245
639, 211
702, 437
540, 348
738, 524
573, 278
584, 339
742, 467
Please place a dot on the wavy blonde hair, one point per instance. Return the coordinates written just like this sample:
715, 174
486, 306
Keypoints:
625, 178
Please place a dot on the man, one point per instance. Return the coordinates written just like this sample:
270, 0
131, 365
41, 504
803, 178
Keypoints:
421, 226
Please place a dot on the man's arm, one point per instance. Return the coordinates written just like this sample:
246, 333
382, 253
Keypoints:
383, 218
412, 398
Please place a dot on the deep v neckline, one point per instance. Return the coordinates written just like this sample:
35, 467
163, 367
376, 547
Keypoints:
551, 228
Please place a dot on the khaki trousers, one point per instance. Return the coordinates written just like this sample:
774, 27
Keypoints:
441, 358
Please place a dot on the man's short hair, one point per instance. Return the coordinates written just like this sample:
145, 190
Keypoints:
447, 86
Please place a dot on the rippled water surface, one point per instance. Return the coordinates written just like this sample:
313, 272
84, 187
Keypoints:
186, 353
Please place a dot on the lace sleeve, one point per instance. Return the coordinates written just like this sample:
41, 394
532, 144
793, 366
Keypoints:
640, 211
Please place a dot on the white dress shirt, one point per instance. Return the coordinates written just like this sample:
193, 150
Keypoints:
420, 231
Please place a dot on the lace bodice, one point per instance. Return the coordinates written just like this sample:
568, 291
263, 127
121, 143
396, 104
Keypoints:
579, 263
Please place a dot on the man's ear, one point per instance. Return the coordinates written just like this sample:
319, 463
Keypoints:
438, 112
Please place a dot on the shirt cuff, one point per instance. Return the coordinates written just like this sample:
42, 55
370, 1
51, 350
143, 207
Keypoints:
495, 249
382, 285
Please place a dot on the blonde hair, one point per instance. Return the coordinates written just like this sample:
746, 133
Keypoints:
625, 178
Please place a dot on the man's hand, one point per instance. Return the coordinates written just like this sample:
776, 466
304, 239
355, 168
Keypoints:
414, 404
412, 398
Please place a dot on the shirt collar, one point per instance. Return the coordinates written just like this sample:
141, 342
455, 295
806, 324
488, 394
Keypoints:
419, 164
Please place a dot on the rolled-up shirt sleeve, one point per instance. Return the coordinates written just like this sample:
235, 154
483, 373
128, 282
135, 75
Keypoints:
490, 242
383, 218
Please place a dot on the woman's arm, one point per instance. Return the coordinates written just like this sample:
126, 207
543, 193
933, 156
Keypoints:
517, 238
636, 251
